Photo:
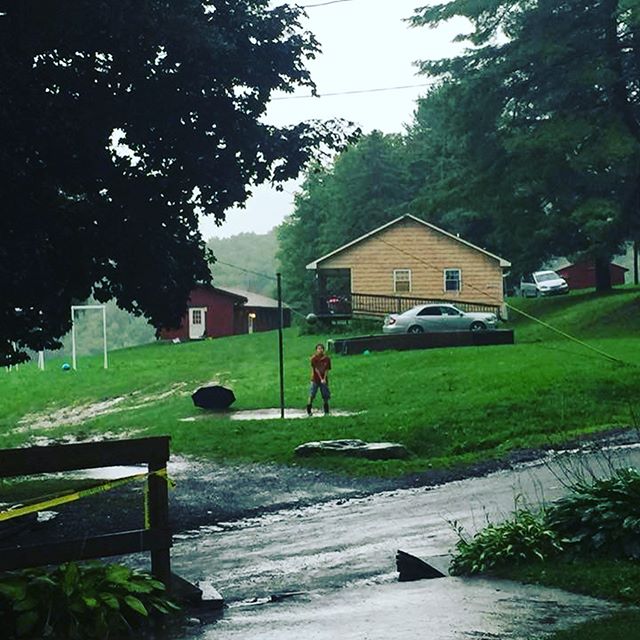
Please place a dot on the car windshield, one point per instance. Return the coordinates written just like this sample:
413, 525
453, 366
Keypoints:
545, 276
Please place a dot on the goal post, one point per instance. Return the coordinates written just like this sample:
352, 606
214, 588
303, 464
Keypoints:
85, 307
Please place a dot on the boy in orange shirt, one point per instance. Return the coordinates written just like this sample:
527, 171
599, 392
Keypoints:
320, 366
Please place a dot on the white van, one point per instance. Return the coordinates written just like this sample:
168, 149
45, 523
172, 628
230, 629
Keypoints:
542, 283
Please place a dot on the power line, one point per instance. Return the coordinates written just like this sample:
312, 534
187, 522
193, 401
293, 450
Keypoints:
510, 306
357, 91
255, 273
263, 275
323, 4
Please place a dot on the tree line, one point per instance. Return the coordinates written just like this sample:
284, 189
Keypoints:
528, 144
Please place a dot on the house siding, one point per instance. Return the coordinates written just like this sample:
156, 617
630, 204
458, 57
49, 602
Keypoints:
582, 275
219, 319
411, 245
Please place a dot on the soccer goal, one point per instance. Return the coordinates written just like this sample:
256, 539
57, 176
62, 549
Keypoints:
88, 307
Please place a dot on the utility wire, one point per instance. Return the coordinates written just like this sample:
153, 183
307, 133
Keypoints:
263, 275
510, 306
483, 293
357, 91
323, 4
255, 273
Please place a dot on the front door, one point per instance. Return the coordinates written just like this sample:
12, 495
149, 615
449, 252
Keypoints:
197, 323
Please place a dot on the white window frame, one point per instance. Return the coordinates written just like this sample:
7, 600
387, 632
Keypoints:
396, 272
444, 280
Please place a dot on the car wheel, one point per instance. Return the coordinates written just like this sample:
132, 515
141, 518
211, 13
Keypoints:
478, 326
416, 328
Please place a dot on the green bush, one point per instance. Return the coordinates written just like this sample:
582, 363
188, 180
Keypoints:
79, 602
602, 516
523, 538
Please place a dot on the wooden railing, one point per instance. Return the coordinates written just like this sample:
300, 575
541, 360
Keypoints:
380, 305
156, 538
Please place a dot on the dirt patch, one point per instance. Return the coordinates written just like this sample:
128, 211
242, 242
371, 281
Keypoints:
74, 415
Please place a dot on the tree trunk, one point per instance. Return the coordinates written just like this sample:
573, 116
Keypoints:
603, 274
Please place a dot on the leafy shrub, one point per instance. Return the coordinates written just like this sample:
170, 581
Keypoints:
79, 602
602, 516
523, 538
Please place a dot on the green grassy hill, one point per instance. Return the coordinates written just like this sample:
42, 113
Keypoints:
583, 313
448, 406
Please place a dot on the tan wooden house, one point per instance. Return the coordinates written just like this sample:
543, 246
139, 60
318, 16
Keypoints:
406, 262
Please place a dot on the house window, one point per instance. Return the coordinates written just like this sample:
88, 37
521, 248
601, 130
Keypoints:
402, 280
452, 280
196, 317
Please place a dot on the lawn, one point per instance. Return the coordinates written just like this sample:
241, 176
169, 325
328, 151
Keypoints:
617, 580
450, 407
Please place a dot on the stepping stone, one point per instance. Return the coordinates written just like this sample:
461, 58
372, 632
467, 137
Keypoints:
354, 448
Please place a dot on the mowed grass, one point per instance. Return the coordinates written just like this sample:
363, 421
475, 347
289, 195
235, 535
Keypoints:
449, 407
611, 579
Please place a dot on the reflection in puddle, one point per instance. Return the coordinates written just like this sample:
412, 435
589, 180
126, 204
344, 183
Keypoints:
268, 414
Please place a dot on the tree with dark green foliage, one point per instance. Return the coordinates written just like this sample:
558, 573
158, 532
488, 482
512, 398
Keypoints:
366, 186
437, 151
548, 102
120, 122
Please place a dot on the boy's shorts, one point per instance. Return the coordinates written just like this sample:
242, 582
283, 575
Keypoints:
324, 390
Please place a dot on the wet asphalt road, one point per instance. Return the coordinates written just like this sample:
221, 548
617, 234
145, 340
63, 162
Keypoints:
340, 554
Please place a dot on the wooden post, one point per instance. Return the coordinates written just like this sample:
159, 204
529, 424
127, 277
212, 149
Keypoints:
280, 346
159, 521
70, 457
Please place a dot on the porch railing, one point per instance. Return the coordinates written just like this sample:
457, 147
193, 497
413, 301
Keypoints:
380, 305
369, 304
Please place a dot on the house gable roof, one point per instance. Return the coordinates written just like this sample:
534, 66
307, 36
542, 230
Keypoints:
256, 299
238, 297
407, 216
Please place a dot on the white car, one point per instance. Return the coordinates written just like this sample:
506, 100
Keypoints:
438, 317
543, 283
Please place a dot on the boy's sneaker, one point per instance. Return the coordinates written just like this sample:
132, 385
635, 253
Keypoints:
308, 409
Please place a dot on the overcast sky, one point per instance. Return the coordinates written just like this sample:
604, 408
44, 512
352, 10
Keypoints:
365, 45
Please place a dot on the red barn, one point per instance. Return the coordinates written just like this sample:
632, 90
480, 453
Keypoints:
582, 275
211, 313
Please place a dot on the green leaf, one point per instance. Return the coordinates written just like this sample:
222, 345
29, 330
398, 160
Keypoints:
25, 604
136, 605
14, 589
71, 578
26, 623
117, 574
110, 600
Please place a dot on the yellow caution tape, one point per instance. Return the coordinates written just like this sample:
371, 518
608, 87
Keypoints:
22, 510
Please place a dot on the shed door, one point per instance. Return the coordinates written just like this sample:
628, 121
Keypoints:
197, 322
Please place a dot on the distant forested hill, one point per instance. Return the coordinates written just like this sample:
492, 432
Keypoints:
251, 252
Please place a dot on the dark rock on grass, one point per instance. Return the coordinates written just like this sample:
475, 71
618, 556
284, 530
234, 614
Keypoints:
354, 448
